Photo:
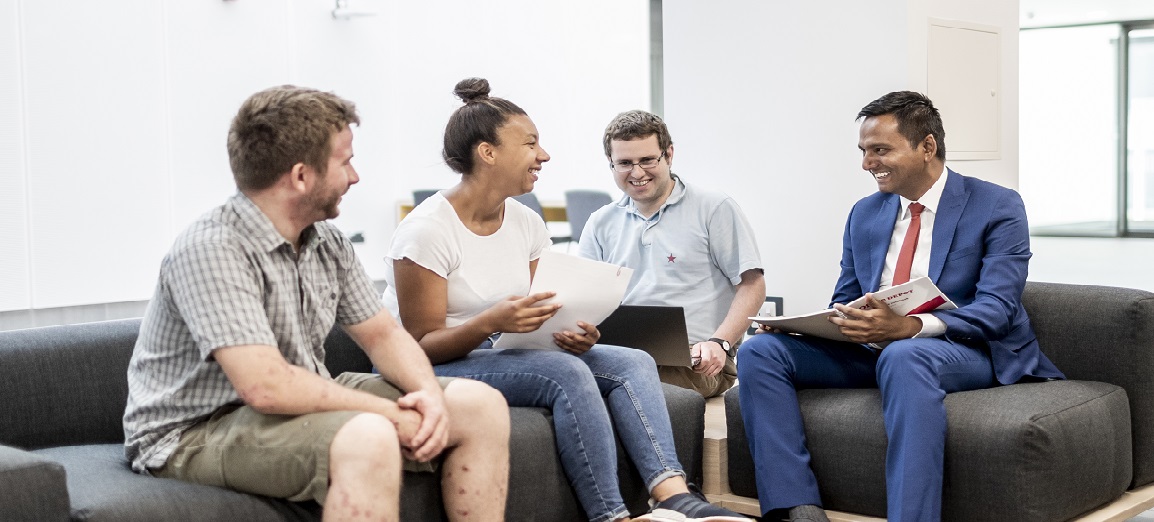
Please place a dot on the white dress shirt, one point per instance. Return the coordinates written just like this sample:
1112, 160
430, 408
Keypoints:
931, 326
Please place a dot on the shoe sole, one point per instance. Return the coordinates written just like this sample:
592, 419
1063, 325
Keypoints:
663, 515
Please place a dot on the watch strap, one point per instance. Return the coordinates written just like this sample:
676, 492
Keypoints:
724, 345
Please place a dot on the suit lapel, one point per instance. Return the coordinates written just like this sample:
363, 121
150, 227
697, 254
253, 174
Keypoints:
882, 230
954, 197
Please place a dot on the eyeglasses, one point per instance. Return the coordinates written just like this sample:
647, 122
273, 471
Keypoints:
645, 163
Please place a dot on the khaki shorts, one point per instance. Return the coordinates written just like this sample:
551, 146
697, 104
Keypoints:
280, 456
705, 385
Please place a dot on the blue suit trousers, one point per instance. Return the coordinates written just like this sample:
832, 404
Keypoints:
913, 375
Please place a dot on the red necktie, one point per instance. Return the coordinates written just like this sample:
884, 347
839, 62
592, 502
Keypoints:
909, 245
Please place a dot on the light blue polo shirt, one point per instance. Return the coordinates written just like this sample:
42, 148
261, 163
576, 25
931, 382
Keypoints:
691, 253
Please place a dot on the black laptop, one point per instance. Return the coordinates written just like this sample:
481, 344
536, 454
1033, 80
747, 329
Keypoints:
658, 330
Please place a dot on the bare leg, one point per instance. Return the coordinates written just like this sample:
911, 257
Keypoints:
364, 471
669, 487
475, 472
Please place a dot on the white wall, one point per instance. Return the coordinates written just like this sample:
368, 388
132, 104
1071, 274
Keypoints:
761, 99
15, 291
113, 114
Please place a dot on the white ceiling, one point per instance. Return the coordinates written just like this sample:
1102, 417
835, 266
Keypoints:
1042, 13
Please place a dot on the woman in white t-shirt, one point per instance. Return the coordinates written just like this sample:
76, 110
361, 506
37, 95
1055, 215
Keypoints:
460, 267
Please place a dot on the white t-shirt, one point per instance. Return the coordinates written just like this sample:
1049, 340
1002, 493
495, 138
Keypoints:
481, 270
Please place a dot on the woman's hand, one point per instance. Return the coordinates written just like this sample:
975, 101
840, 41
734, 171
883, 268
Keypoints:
521, 314
577, 343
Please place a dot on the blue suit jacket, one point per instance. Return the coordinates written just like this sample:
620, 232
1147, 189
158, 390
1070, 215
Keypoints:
979, 258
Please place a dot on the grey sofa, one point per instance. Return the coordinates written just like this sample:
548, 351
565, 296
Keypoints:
63, 391
1045, 452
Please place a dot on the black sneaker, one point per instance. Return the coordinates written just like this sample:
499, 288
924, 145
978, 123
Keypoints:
690, 507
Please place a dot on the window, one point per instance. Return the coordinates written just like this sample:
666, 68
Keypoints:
1140, 132
1087, 129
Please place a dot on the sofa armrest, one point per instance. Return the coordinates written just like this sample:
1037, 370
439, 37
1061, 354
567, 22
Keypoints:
687, 414
1106, 334
1094, 333
33, 487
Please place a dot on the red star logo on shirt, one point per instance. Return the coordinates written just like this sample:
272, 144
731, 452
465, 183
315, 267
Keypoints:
671, 257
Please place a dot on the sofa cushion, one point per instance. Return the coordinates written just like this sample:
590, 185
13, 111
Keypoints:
32, 488
1101, 333
104, 488
1026, 452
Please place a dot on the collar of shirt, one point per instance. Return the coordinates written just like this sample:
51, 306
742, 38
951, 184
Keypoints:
674, 198
921, 261
931, 199
260, 229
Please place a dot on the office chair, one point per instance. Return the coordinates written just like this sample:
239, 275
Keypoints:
579, 205
421, 195
530, 200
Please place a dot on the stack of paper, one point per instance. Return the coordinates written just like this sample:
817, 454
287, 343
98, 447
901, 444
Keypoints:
915, 297
588, 291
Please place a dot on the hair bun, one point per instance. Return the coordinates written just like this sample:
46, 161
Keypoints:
471, 90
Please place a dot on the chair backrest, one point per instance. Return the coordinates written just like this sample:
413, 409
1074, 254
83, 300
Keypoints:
530, 200
421, 195
579, 205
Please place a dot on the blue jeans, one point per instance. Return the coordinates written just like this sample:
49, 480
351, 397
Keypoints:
588, 394
914, 376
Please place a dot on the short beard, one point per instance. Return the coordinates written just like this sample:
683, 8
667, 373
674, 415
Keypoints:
316, 201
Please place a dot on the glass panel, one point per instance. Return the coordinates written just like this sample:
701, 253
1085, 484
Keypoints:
1068, 129
1140, 133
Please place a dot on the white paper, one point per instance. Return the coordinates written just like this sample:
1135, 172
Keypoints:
588, 291
917, 296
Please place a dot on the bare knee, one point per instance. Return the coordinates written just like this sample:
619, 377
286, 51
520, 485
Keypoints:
476, 405
367, 441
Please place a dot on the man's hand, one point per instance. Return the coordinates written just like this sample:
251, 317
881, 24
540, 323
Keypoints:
432, 431
875, 323
765, 328
712, 358
577, 343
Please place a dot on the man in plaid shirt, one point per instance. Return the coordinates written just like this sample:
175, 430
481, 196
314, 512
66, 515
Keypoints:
227, 383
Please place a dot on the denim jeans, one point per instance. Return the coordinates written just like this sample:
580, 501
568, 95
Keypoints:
588, 394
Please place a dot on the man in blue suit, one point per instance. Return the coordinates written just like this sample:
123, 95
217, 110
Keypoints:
971, 239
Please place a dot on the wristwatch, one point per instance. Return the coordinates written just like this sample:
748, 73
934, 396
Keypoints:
724, 345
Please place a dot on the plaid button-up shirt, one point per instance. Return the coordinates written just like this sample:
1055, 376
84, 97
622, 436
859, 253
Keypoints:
231, 279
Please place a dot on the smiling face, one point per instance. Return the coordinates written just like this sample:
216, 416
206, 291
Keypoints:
520, 154
897, 167
339, 175
648, 188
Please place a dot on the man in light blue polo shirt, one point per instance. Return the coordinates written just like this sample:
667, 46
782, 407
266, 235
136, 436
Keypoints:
688, 247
